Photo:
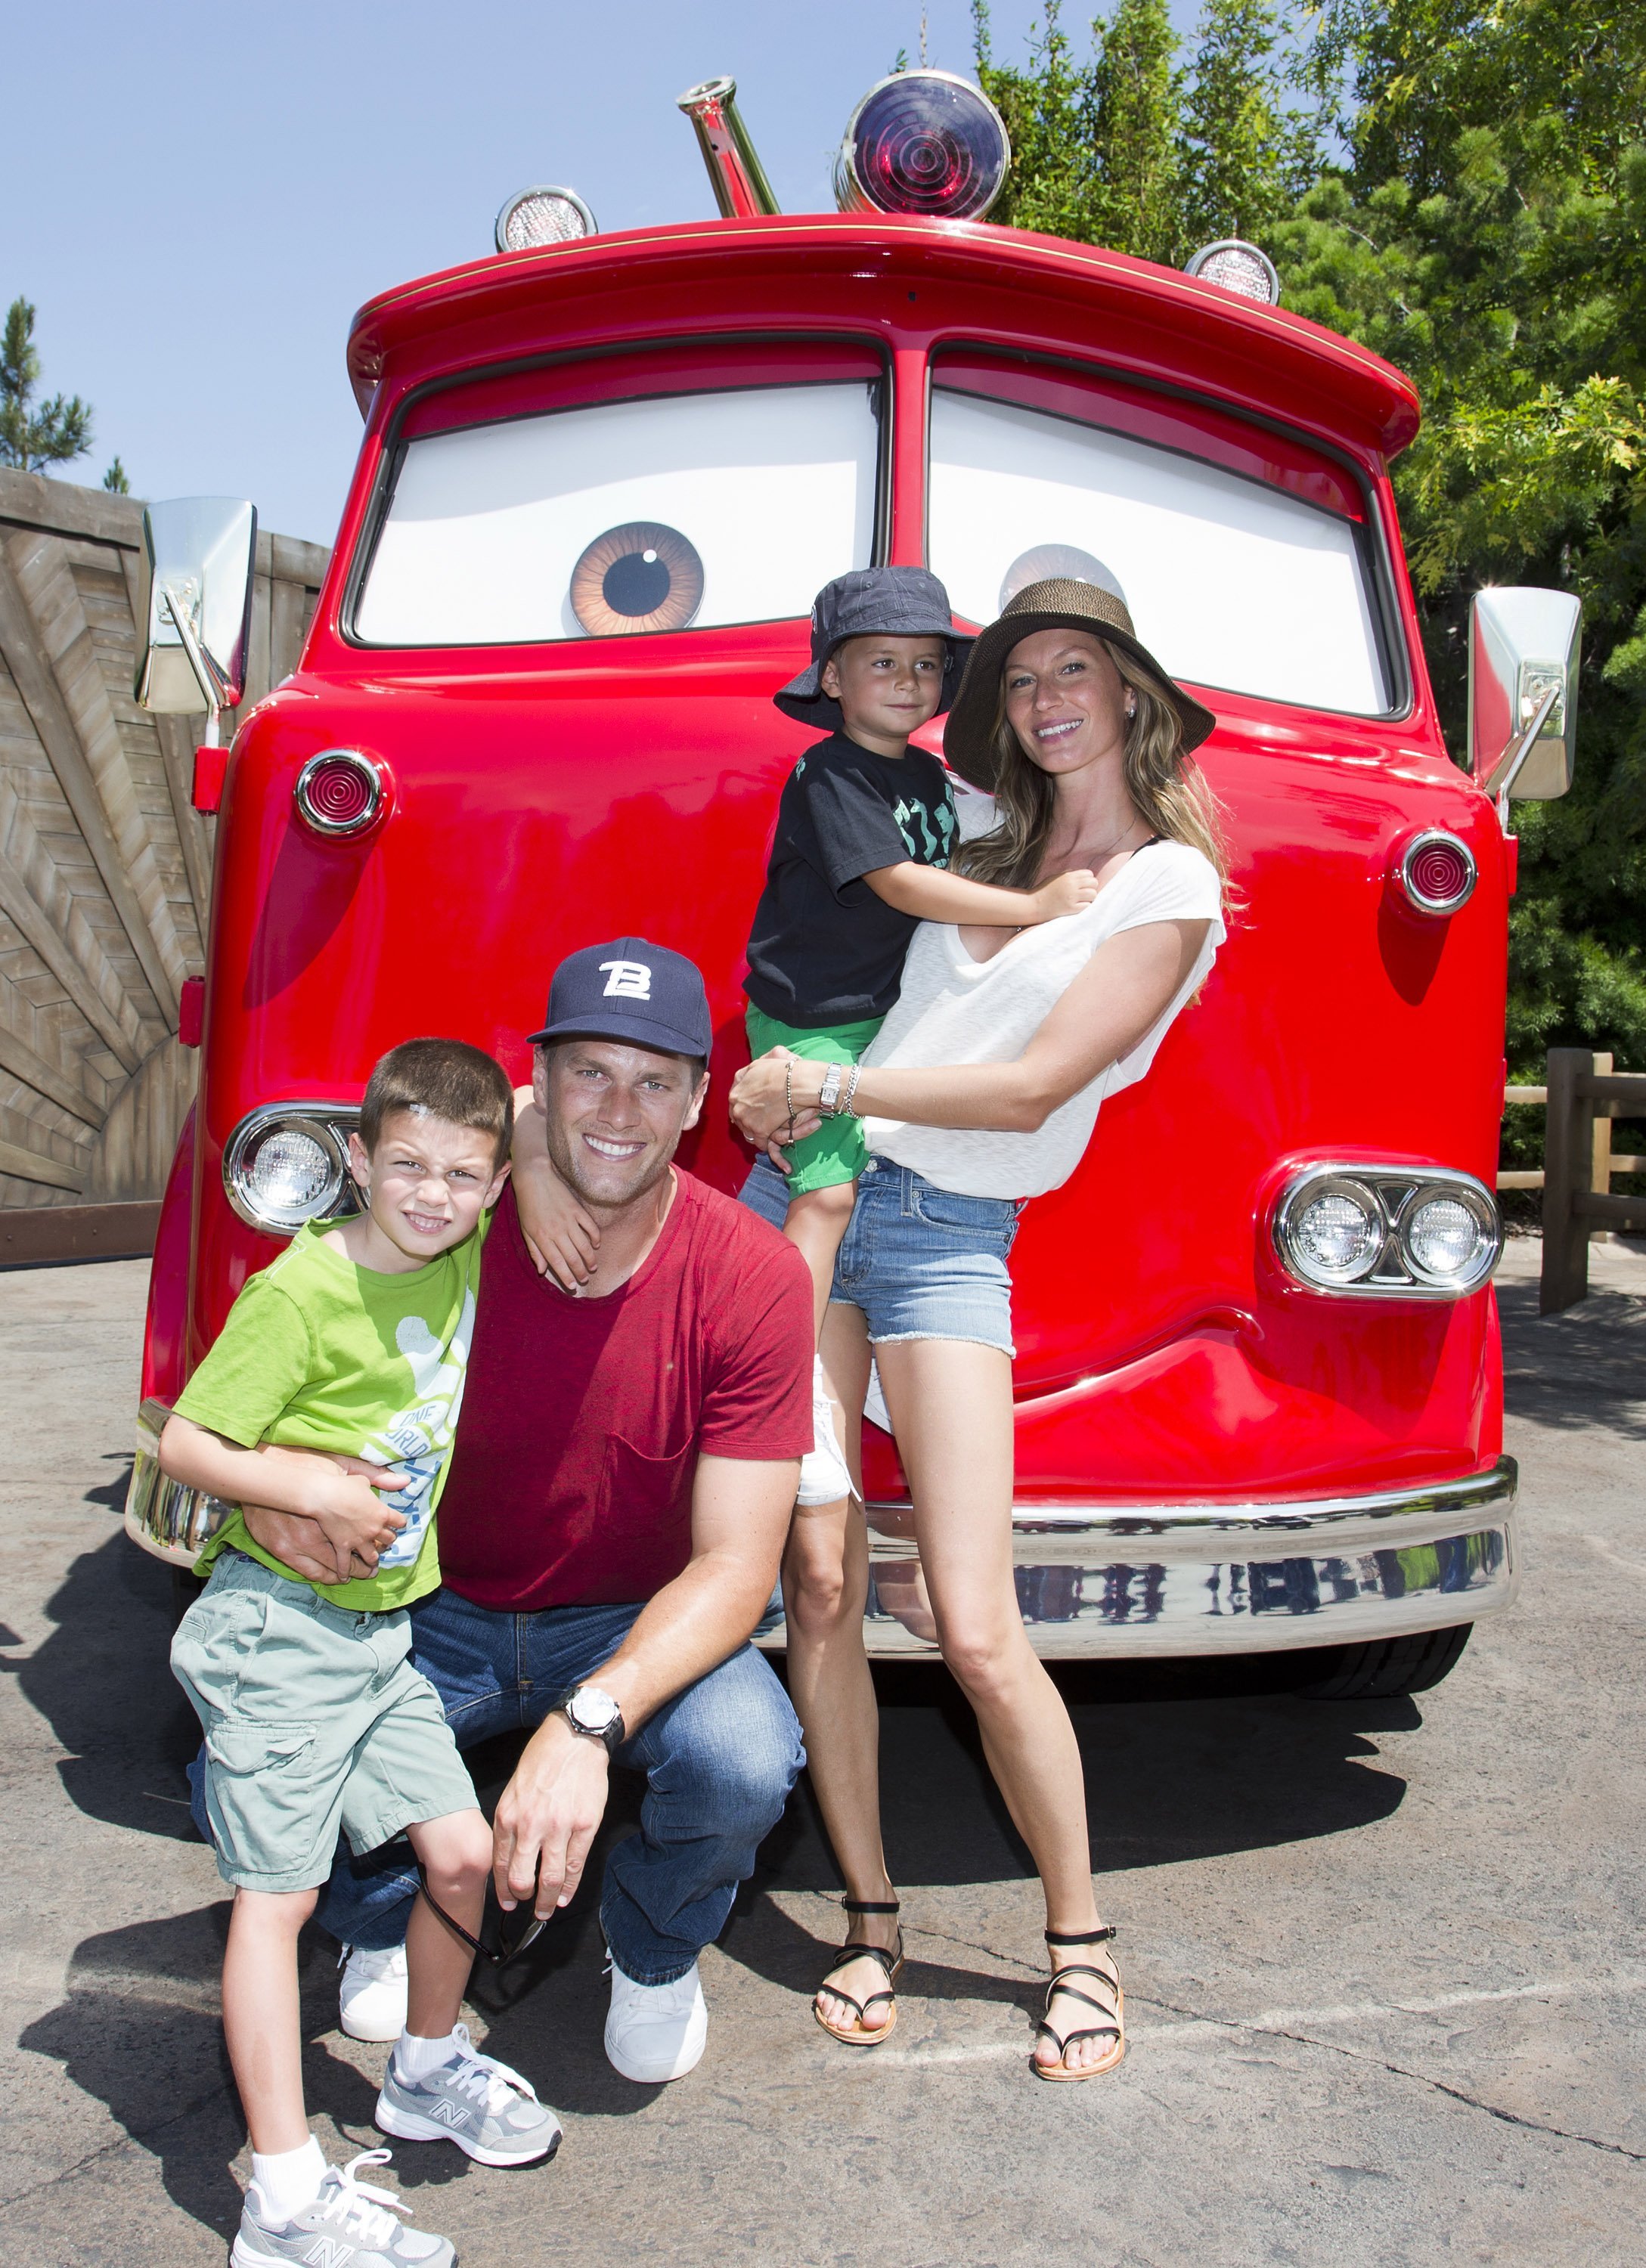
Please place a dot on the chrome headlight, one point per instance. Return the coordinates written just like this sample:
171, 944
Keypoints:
1387, 1231
288, 1163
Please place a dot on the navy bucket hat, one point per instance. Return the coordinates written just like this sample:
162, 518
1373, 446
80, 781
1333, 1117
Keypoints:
873, 602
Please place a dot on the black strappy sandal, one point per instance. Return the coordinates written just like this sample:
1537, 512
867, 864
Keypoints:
860, 2035
1113, 2028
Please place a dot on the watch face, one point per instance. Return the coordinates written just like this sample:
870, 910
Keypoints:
592, 1710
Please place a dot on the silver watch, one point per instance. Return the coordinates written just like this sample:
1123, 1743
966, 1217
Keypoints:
594, 1714
829, 1100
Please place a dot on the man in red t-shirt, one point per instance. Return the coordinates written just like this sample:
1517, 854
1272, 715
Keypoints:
609, 1532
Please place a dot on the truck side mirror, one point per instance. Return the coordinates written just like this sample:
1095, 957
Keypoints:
199, 553
1523, 692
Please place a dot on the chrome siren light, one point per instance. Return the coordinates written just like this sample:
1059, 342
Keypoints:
542, 215
1235, 266
923, 142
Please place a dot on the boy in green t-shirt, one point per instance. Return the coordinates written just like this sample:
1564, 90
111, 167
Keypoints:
352, 1344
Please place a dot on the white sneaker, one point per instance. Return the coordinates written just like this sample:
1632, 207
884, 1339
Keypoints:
371, 1999
824, 1475
656, 2032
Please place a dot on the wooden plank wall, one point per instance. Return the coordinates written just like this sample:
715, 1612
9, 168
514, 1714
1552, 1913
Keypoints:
104, 866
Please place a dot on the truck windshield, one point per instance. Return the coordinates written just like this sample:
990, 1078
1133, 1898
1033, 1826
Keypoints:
677, 511
1231, 581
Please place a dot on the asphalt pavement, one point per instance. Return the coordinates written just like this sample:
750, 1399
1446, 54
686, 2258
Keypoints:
1384, 1961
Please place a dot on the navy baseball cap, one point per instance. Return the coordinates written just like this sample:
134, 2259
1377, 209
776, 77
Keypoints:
873, 602
631, 990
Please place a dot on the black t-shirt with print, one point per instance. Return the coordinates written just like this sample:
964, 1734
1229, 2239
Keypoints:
823, 948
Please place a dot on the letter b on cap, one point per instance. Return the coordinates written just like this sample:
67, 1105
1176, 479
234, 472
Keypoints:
626, 980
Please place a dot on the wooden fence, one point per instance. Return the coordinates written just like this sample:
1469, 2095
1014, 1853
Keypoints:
105, 868
1581, 1099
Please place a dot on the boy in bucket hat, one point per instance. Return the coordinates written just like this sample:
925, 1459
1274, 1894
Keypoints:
866, 826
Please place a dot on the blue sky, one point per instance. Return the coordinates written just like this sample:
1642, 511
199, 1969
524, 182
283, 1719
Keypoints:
197, 200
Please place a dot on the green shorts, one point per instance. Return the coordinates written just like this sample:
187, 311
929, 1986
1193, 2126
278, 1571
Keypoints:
838, 1151
314, 1720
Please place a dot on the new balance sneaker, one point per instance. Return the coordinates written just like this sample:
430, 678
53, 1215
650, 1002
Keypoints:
656, 2032
480, 2104
348, 2225
824, 1475
371, 1999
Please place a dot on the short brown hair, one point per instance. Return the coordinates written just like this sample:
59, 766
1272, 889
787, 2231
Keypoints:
446, 1078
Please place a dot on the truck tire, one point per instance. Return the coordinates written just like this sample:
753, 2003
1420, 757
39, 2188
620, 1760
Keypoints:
1386, 1667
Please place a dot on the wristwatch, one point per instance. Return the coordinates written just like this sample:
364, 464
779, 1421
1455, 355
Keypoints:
592, 1713
828, 1101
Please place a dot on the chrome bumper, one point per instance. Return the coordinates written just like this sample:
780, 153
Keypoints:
171, 1522
1112, 1581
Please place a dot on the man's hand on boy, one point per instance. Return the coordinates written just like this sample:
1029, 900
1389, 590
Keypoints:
343, 1524
301, 1544
1064, 894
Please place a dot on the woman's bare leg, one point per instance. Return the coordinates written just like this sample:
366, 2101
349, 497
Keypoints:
951, 1403
826, 1586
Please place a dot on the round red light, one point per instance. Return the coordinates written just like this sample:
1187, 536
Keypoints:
339, 792
923, 142
1437, 871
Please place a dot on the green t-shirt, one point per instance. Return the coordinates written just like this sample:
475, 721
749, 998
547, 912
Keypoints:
319, 1354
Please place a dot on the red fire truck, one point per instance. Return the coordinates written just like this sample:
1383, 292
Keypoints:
1258, 1384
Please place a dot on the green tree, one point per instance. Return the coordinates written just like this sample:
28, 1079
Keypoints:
1137, 129
35, 440
115, 479
1247, 156
1483, 226
1130, 147
1487, 236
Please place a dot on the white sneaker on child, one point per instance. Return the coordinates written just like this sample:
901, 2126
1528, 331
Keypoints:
825, 1478
371, 1999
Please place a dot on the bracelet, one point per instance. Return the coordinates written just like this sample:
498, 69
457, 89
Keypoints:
851, 1090
788, 1095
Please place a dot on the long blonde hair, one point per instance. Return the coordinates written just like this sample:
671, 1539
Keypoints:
1167, 787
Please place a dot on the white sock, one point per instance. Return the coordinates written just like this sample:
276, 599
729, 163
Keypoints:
289, 2179
416, 2059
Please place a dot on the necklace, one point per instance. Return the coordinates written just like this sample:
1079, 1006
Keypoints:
1109, 848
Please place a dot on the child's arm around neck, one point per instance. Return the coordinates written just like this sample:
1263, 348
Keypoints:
931, 893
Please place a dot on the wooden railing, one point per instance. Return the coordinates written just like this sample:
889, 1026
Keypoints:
1582, 1098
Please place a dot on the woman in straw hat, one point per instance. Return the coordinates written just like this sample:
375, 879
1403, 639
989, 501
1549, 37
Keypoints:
982, 1091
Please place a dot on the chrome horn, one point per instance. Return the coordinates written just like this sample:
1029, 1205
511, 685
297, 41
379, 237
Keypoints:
737, 176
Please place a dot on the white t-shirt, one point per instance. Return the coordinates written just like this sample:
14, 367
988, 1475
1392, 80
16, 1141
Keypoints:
954, 1010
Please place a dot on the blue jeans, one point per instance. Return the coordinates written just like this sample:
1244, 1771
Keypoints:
720, 1760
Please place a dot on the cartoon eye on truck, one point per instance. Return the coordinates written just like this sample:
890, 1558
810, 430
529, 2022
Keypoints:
1258, 1389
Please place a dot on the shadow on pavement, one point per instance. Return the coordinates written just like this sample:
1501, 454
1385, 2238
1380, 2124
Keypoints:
140, 2031
1578, 1369
1184, 1760
103, 1682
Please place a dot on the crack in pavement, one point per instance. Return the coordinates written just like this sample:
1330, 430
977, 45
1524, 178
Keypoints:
120, 2141
1399, 2071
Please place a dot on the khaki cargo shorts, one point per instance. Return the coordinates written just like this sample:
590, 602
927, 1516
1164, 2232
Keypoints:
314, 1719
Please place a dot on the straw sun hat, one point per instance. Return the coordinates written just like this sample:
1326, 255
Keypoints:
969, 735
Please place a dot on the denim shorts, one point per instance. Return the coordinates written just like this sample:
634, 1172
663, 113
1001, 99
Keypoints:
920, 1262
